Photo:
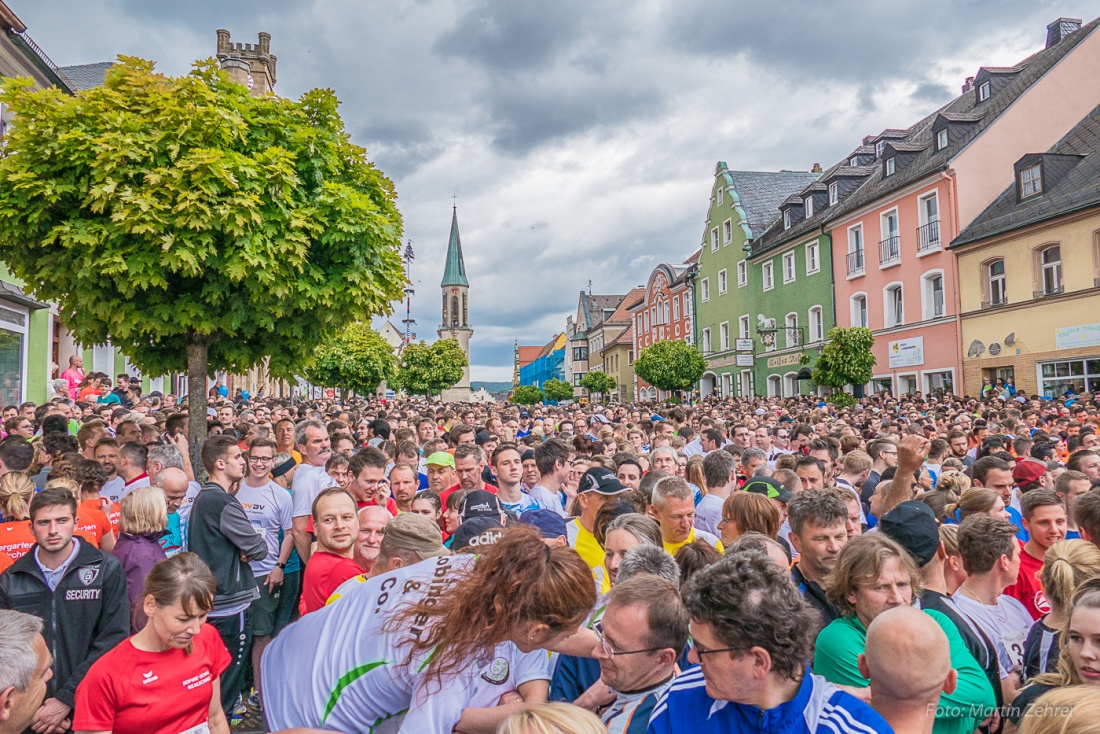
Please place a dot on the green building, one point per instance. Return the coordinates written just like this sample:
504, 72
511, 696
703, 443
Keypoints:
743, 206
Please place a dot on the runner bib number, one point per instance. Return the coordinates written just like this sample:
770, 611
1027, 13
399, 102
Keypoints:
1014, 644
200, 729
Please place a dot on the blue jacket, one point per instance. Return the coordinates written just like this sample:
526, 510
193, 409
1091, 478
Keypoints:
819, 707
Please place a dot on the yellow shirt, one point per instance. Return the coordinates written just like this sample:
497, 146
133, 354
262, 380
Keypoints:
589, 549
671, 548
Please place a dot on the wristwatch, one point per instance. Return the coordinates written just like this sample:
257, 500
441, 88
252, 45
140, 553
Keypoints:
281, 566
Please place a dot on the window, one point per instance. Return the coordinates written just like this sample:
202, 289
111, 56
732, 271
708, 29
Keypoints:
577, 377
788, 267
995, 278
646, 315
813, 265
1078, 375
13, 355
706, 340
580, 354
928, 233
790, 384
742, 273
704, 289
792, 330
834, 193
665, 306
808, 207
1031, 181
932, 295
984, 91
939, 382
786, 219
769, 277
859, 310
817, 325
891, 166
675, 309
890, 246
727, 385
774, 386
743, 327
727, 231
687, 304
718, 194
630, 357
721, 281
855, 250
941, 139
893, 303
724, 335
1051, 259
714, 240
879, 147
853, 161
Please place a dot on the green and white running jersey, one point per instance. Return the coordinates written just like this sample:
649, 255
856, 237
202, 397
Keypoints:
339, 669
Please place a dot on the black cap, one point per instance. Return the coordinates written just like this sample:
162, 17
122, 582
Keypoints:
768, 487
480, 503
602, 481
483, 437
913, 525
477, 532
527, 455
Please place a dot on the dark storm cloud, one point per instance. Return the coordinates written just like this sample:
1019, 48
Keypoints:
399, 145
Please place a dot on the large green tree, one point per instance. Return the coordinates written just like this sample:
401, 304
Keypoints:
598, 382
357, 358
193, 225
429, 369
670, 365
526, 395
557, 390
845, 360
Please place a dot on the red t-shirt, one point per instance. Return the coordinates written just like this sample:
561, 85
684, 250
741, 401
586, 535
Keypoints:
448, 492
1028, 589
91, 523
324, 572
129, 690
16, 538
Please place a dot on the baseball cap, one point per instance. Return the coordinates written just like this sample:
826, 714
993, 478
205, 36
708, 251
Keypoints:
768, 487
1028, 471
480, 503
913, 525
527, 455
525, 414
412, 532
483, 437
440, 458
477, 532
601, 418
549, 523
601, 480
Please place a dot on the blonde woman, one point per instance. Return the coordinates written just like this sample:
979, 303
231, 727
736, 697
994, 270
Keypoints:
16, 491
552, 718
1073, 710
144, 520
1066, 565
977, 501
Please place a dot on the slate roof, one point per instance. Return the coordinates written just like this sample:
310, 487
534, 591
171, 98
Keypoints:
761, 193
86, 76
594, 307
454, 271
1078, 188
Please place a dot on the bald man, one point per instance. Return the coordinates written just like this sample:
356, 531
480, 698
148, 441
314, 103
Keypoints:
372, 528
908, 661
178, 495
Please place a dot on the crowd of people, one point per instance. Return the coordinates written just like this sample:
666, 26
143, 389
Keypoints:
913, 564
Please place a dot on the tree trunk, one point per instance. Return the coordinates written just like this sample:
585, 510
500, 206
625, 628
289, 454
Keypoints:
196, 403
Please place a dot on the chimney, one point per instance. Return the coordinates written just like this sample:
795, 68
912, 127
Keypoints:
968, 85
1062, 28
868, 139
816, 168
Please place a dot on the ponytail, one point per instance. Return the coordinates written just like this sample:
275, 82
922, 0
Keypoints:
16, 491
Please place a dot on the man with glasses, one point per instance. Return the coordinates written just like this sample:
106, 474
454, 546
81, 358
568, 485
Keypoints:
752, 634
643, 631
271, 512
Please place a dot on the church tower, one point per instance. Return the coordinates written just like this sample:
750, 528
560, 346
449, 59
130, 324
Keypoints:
456, 321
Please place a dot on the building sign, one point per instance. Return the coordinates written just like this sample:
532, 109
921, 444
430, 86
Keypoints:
906, 352
743, 345
1073, 337
744, 360
786, 360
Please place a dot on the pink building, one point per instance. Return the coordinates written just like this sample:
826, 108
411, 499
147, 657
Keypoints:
906, 194
665, 312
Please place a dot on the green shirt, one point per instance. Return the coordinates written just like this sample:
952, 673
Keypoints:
836, 659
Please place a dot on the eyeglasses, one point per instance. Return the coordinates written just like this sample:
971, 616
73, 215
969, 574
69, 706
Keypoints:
611, 652
701, 651
260, 459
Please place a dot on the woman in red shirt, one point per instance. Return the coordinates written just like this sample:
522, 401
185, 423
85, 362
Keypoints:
164, 679
16, 491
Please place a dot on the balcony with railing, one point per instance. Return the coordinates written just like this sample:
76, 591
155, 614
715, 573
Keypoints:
855, 262
995, 301
1047, 292
889, 251
928, 237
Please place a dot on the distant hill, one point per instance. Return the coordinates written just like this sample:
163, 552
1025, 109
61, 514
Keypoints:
501, 387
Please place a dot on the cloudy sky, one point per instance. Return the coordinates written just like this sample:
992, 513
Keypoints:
579, 137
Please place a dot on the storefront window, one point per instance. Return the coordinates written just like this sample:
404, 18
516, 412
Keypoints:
880, 384
939, 383
13, 328
1072, 375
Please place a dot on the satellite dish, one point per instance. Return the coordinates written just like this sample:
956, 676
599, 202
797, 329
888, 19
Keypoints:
1010, 339
976, 349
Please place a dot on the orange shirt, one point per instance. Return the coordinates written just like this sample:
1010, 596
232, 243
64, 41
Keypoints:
5, 562
91, 522
16, 538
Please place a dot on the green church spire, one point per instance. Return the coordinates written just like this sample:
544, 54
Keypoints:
454, 272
